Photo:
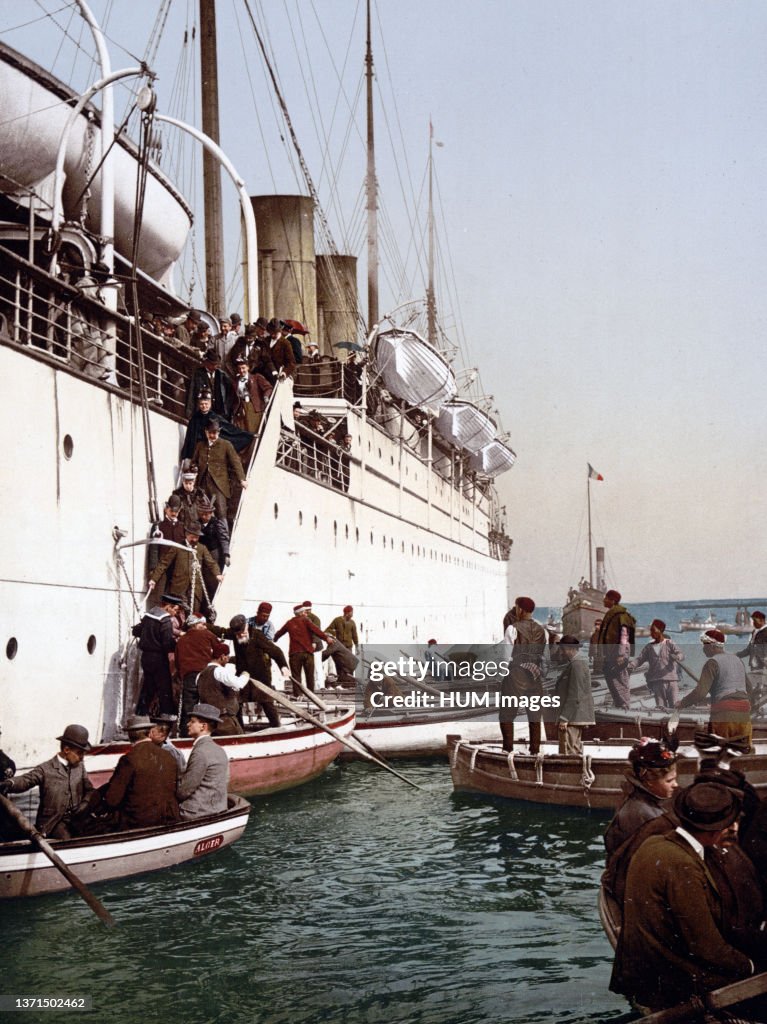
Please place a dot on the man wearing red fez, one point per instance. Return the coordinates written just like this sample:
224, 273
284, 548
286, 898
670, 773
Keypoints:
303, 634
723, 680
615, 645
661, 657
262, 621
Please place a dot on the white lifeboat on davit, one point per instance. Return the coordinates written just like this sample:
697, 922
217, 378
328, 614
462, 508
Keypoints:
465, 425
495, 458
36, 106
414, 371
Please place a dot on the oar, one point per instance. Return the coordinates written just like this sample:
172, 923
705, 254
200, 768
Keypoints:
29, 829
719, 999
275, 695
685, 669
326, 707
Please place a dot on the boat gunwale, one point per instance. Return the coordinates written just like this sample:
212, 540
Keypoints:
240, 808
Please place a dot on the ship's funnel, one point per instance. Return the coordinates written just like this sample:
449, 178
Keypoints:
286, 259
601, 582
337, 303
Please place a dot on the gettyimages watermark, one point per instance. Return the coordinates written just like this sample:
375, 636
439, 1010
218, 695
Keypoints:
433, 679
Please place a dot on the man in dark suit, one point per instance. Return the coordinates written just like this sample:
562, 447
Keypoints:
280, 350
143, 787
756, 652
63, 782
181, 568
210, 377
217, 462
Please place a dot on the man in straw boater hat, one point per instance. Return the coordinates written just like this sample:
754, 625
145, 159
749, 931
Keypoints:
723, 680
63, 782
671, 945
202, 787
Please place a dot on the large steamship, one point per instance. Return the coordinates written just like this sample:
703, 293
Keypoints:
406, 526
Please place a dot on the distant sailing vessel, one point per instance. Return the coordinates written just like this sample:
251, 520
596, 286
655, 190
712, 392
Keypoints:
741, 627
584, 603
405, 524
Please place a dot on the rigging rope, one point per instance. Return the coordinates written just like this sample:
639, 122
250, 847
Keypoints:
147, 121
280, 99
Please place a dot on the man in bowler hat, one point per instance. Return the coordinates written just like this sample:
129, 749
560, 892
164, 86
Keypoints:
63, 782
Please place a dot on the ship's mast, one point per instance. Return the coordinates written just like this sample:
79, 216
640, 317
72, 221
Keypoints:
431, 302
588, 499
372, 198
211, 170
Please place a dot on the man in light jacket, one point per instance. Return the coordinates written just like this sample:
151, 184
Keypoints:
202, 787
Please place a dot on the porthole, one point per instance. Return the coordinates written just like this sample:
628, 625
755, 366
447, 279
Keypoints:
300, 518
91, 645
357, 534
315, 522
371, 536
335, 528
276, 510
380, 456
68, 445
403, 547
11, 648
346, 531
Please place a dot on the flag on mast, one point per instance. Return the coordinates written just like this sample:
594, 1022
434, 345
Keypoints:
593, 475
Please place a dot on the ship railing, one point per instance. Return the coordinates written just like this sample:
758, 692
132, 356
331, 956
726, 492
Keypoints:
308, 453
59, 323
323, 379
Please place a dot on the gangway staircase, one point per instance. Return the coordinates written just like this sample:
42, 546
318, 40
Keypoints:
241, 579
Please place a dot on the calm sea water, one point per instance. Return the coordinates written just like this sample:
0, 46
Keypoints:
352, 899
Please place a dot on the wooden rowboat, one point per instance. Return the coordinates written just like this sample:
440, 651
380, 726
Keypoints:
592, 780
25, 871
615, 723
260, 762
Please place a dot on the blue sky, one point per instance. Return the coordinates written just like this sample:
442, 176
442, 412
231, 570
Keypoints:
603, 186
